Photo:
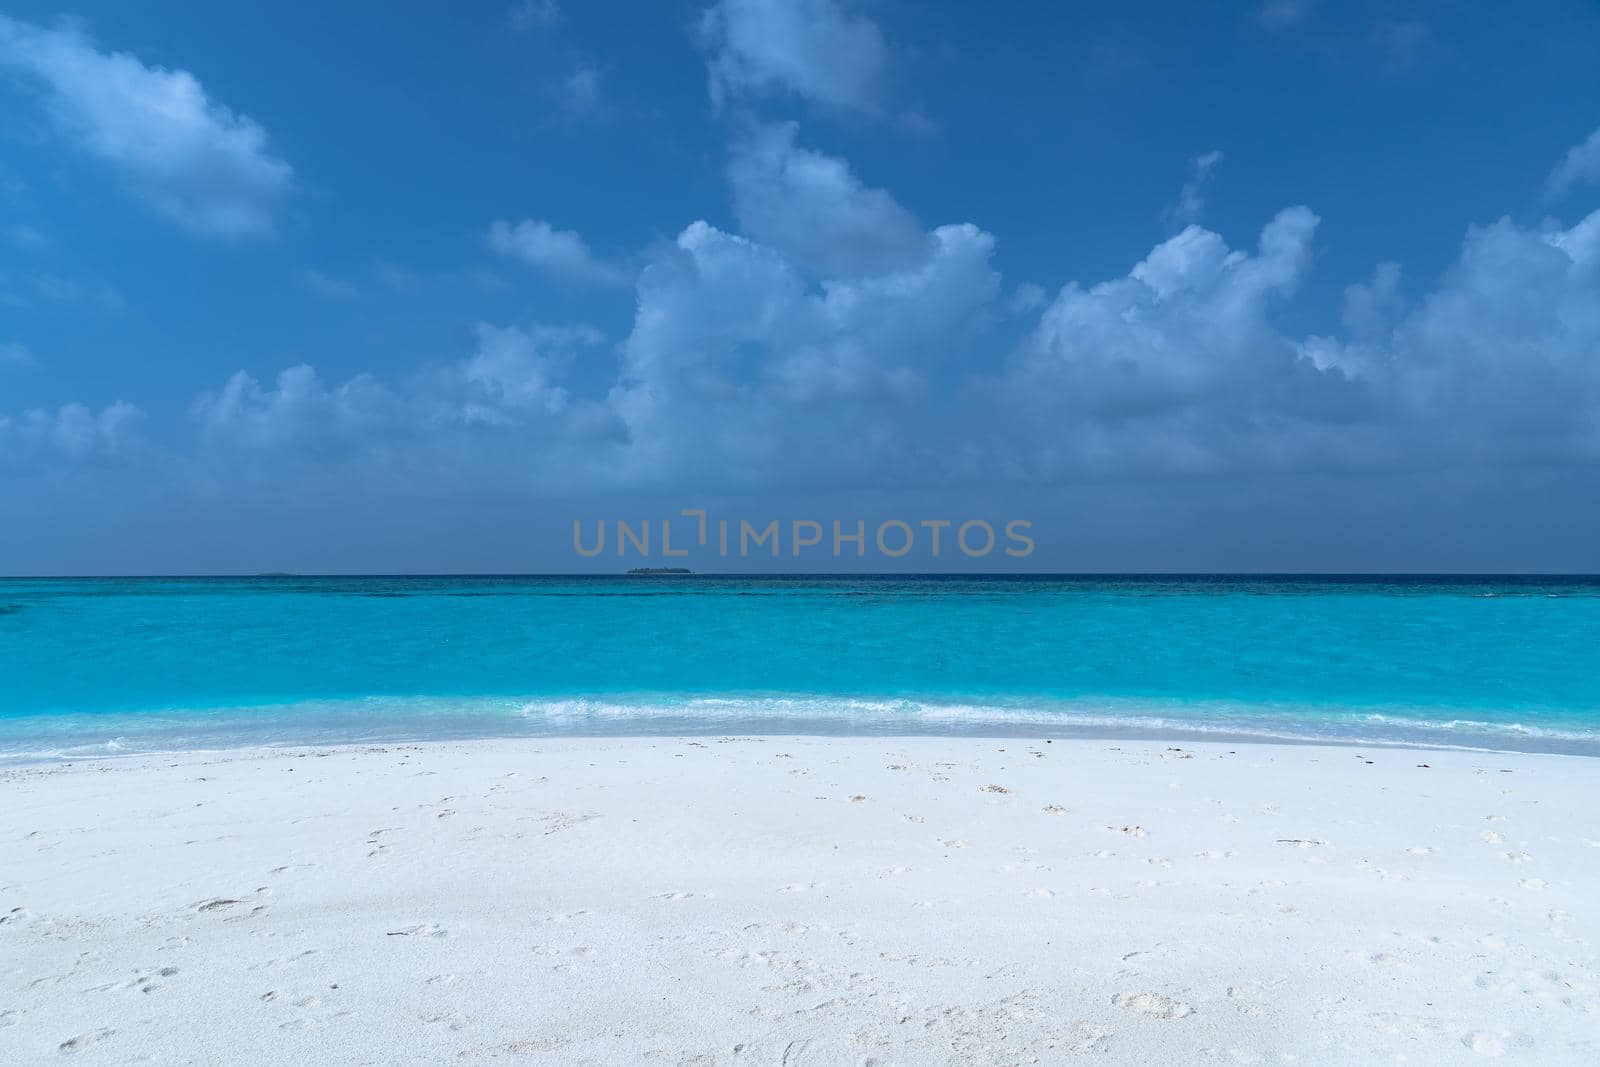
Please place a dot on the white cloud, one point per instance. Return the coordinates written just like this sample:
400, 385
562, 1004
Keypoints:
1191, 199
1497, 363
496, 418
1371, 308
762, 362
562, 254
1580, 166
811, 207
738, 370
187, 156
72, 432
814, 49
520, 368
1176, 366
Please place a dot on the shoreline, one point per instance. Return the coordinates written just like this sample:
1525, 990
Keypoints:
1088, 735
824, 899
45, 738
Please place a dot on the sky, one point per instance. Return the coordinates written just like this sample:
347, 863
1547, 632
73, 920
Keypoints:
1272, 286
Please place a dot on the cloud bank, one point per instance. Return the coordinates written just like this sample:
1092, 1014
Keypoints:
831, 341
856, 349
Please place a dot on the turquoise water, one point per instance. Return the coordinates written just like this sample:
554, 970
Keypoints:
120, 665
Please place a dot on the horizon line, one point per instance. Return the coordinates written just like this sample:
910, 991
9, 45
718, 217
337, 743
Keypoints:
279, 575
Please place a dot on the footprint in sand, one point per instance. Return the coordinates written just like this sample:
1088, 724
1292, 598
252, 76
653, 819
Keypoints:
83, 1041
1518, 857
1248, 999
1086, 1038
1494, 983
1152, 1004
1486, 1044
1213, 854
419, 930
798, 887
565, 917
1378, 959
1489, 837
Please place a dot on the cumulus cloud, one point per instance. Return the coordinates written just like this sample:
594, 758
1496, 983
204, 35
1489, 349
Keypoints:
1370, 308
817, 50
1497, 364
744, 371
499, 417
562, 254
738, 370
813, 209
1177, 366
857, 349
1580, 166
72, 432
187, 156
519, 368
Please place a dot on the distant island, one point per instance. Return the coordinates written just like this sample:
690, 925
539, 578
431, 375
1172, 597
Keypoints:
649, 571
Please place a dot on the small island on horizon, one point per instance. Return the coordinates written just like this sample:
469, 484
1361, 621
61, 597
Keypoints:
646, 572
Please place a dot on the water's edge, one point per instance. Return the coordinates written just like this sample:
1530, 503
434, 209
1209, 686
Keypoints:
409, 720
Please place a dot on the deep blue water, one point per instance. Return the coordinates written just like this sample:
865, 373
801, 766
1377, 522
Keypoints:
89, 666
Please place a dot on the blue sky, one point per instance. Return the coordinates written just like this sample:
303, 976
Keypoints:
1292, 285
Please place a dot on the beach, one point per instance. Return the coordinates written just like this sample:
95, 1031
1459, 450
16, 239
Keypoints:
802, 900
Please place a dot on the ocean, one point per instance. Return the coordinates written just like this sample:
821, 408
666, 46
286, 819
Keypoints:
93, 667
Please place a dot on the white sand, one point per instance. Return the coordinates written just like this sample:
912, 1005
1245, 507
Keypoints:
803, 901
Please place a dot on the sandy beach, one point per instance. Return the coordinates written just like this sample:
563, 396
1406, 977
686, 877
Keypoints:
802, 901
